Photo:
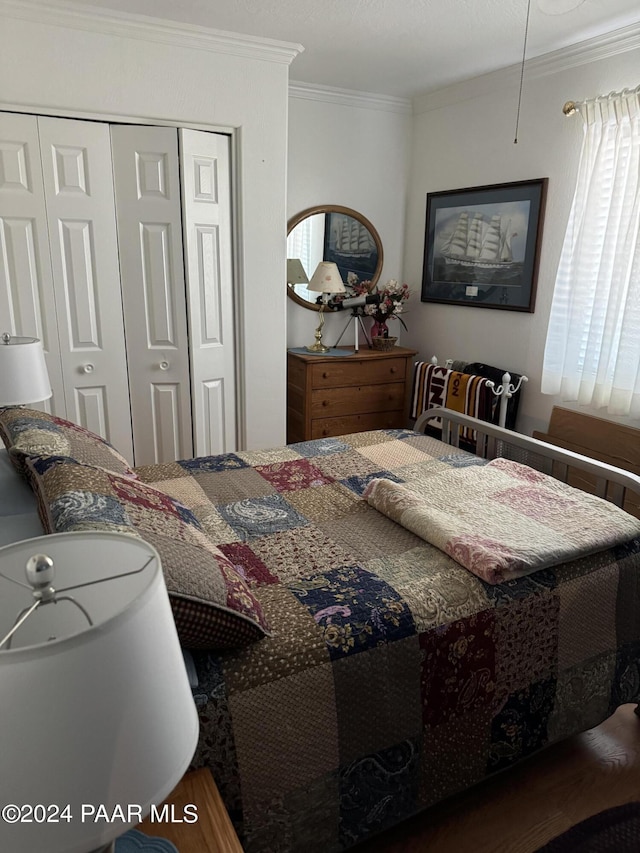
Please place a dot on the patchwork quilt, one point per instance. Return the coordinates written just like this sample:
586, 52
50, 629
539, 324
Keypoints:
393, 677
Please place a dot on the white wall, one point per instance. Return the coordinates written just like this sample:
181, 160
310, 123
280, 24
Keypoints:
463, 137
63, 61
353, 151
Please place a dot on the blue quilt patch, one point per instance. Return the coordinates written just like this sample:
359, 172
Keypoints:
359, 484
378, 790
460, 460
41, 464
223, 462
319, 447
520, 727
20, 425
79, 507
355, 610
399, 434
261, 516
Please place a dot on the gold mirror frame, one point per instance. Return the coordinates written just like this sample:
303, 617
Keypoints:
334, 208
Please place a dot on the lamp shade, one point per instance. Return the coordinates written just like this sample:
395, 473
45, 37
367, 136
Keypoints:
94, 716
326, 279
295, 272
23, 372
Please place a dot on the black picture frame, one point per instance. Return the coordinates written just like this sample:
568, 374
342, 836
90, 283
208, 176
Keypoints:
482, 245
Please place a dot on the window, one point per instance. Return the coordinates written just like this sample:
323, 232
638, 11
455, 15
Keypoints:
592, 352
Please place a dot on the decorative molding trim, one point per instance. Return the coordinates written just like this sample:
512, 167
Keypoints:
349, 98
62, 13
601, 47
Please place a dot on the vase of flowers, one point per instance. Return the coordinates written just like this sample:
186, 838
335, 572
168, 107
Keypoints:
389, 304
379, 329
392, 298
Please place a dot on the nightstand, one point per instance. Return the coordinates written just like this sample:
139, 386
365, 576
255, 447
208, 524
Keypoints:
333, 395
212, 833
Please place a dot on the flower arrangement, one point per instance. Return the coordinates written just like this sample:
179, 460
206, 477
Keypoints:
392, 297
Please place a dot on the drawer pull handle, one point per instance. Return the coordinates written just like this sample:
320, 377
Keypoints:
325, 375
393, 370
325, 403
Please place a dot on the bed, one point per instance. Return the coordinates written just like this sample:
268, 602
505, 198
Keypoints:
371, 675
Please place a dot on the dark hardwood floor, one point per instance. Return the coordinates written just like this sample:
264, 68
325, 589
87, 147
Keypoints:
522, 809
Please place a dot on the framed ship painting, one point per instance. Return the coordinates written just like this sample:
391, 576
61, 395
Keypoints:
482, 245
349, 243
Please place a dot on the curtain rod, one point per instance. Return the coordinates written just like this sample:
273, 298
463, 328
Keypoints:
572, 107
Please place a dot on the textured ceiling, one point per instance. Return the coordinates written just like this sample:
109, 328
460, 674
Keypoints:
399, 47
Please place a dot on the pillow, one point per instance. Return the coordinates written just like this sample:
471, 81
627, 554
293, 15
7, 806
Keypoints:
29, 432
213, 607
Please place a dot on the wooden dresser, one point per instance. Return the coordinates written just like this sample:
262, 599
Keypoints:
335, 395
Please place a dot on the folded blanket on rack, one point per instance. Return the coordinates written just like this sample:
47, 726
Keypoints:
463, 392
503, 520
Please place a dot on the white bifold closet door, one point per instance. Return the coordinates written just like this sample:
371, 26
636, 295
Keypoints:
115, 251
27, 303
174, 229
206, 206
84, 258
145, 161
61, 265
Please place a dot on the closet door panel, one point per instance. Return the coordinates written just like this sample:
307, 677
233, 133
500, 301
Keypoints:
150, 234
27, 303
205, 169
76, 162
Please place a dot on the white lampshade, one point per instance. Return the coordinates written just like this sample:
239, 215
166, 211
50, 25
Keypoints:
23, 372
326, 279
295, 272
100, 714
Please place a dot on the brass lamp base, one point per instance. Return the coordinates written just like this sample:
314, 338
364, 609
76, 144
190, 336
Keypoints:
319, 346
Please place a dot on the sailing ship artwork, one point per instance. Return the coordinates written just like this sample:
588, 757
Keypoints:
479, 246
482, 245
350, 245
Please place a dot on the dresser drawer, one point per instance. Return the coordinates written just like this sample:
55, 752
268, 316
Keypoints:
326, 427
354, 400
355, 372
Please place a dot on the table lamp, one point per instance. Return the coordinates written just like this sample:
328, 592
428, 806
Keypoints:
23, 371
325, 280
97, 720
295, 272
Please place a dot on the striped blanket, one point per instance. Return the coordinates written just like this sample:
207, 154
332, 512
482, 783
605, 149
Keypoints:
462, 392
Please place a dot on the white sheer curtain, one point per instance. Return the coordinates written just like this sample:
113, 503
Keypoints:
592, 353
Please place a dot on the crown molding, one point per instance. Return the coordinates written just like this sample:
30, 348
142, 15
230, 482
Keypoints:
601, 47
62, 13
349, 98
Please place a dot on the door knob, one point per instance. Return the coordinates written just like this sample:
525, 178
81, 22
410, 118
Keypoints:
88, 368
164, 365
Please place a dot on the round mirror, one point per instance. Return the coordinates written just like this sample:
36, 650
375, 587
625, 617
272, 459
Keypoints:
330, 233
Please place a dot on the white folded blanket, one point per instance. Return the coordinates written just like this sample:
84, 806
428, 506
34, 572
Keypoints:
503, 520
